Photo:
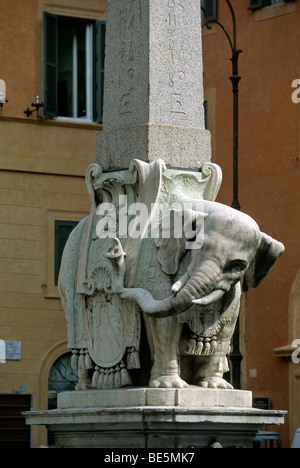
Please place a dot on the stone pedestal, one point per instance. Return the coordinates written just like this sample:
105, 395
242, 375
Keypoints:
155, 418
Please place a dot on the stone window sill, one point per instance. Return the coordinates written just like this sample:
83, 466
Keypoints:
274, 11
208, 32
54, 122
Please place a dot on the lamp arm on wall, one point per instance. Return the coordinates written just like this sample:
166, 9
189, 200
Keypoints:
36, 105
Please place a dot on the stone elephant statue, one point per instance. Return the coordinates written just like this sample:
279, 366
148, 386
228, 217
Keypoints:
205, 294
175, 292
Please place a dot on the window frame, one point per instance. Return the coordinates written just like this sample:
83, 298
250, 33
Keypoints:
211, 8
90, 76
258, 4
50, 289
94, 67
58, 248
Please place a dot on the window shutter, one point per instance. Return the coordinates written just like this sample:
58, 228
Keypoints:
63, 230
50, 64
101, 29
205, 114
211, 8
255, 4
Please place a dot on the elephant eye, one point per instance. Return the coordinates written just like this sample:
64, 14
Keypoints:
237, 265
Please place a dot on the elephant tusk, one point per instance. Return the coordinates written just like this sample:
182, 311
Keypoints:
180, 283
213, 297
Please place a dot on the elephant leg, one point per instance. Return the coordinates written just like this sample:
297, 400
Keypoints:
209, 370
84, 380
165, 334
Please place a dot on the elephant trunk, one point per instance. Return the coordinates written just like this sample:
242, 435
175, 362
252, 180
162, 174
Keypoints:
199, 286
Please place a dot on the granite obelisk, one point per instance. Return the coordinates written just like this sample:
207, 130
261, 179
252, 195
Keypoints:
153, 92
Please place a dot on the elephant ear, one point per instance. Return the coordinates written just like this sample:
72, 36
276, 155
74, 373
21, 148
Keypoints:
266, 255
169, 254
171, 248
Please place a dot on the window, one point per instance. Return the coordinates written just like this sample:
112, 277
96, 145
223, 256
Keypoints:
255, 4
63, 230
58, 226
74, 51
62, 378
211, 8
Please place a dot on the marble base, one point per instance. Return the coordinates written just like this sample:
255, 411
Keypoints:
194, 397
154, 418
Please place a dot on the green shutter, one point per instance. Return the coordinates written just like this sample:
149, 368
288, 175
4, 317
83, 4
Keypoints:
255, 4
211, 9
205, 114
101, 29
50, 64
63, 230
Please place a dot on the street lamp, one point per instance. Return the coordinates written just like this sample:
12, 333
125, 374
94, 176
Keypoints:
3, 99
235, 79
37, 105
236, 356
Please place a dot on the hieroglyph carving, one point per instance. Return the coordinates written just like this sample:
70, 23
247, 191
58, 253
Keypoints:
156, 245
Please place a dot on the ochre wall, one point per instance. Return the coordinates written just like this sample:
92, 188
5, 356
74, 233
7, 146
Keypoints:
19, 54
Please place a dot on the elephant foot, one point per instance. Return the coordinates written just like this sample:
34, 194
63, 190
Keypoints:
214, 382
85, 382
168, 381
83, 386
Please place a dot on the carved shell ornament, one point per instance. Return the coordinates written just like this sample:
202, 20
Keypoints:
101, 278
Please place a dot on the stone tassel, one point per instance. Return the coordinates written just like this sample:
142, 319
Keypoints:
117, 377
133, 359
81, 360
111, 379
191, 349
101, 379
206, 350
105, 380
199, 347
74, 359
125, 377
96, 376
213, 345
88, 361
